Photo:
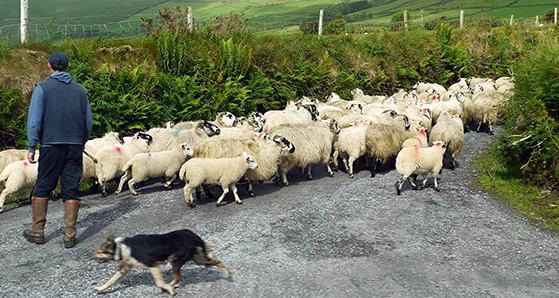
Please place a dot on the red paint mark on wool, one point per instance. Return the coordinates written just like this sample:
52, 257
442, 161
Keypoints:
149, 155
10, 152
438, 144
118, 149
25, 163
422, 131
260, 135
416, 150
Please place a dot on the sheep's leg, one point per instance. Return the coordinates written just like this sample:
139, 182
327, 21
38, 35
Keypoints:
207, 191
479, 126
367, 161
490, 128
225, 192
410, 179
351, 161
123, 179
335, 156
344, 160
234, 189
309, 172
374, 164
328, 169
170, 181
3, 196
424, 181
188, 195
436, 184
284, 178
103, 187
249, 189
198, 192
399, 187
131, 184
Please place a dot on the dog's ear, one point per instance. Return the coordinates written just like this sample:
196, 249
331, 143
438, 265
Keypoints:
111, 238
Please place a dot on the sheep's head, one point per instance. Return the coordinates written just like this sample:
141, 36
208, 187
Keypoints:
477, 89
334, 127
226, 119
312, 110
257, 116
355, 107
356, 92
440, 144
285, 144
144, 136
250, 160
187, 149
208, 128
169, 124
118, 136
333, 96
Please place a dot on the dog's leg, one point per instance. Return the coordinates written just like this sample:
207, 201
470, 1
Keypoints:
156, 272
124, 270
207, 259
176, 274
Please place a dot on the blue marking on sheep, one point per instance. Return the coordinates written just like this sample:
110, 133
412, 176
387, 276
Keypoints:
176, 133
295, 112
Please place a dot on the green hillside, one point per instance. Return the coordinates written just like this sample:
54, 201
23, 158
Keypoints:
262, 14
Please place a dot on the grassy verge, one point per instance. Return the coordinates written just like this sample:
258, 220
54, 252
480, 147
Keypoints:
505, 182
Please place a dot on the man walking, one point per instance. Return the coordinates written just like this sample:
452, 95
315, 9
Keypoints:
60, 119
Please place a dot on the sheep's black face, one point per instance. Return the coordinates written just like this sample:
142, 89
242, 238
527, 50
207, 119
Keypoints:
334, 126
120, 137
145, 136
210, 129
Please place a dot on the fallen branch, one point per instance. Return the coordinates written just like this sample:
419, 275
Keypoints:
521, 140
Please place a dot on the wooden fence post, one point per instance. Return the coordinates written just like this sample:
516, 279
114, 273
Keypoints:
461, 18
189, 18
555, 16
511, 18
406, 18
320, 20
537, 20
24, 18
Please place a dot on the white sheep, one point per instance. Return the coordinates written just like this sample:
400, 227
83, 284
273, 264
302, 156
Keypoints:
154, 165
423, 87
450, 130
113, 158
10, 155
420, 140
266, 153
351, 144
225, 172
92, 147
450, 106
358, 95
16, 176
384, 140
460, 86
414, 160
303, 113
168, 139
222, 119
486, 108
314, 143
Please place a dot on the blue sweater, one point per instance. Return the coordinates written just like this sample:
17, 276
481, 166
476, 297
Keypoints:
59, 114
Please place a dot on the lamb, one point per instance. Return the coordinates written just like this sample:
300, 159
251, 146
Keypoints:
92, 147
168, 139
314, 143
468, 107
351, 144
384, 140
223, 171
413, 160
16, 176
304, 113
450, 130
451, 106
460, 86
112, 159
266, 153
418, 141
154, 165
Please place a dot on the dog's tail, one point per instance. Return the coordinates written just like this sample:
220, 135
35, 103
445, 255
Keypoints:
205, 257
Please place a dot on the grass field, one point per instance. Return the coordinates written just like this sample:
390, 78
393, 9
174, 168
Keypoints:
265, 13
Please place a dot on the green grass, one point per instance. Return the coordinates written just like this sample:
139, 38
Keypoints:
280, 13
504, 182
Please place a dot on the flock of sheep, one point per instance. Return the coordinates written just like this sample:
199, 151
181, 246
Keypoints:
399, 128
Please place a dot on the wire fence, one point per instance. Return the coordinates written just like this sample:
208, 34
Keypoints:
50, 31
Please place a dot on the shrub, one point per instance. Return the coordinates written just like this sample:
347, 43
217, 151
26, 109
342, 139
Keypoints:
337, 26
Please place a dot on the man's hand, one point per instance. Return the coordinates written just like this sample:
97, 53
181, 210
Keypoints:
31, 157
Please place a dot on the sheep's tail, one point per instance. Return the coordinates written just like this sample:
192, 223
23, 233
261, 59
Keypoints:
4, 176
128, 166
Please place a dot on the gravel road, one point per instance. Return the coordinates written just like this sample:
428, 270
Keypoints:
326, 237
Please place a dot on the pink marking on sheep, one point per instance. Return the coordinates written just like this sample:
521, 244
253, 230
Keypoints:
25, 163
118, 149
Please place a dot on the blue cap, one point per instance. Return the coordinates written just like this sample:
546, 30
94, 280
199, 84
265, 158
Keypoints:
58, 55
